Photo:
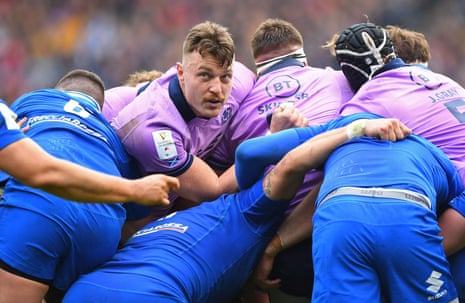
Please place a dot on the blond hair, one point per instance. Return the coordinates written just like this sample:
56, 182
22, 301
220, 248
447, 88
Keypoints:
142, 76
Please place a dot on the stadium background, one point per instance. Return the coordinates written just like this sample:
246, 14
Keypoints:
41, 40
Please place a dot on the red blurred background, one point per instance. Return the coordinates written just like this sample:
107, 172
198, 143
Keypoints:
42, 40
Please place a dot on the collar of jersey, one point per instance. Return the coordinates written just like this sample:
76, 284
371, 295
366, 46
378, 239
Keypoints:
176, 95
396, 63
281, 64
84, 99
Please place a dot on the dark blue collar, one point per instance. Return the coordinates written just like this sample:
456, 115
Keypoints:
143, 87
393, 64
283, 63
176, 95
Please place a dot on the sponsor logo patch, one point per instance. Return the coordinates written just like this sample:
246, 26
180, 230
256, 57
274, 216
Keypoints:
164, 144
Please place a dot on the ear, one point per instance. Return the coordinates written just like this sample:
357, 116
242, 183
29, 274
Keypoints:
180, 71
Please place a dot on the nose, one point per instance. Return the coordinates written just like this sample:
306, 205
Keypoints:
215, 85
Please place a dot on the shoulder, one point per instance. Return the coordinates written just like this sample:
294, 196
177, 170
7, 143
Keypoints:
243, 81
9, 129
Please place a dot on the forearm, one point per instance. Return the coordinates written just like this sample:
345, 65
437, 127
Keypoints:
81, 184
296, 227
254, 155
314, 152
298, 224
228, 181
200, 182
32, 166
283, 181
452, 225
84, 185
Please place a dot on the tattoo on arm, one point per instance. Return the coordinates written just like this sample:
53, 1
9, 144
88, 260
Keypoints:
267, 189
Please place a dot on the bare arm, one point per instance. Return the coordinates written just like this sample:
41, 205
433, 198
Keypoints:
286, 177
287, 116
297, 226
201, 183
452, 225
31, 165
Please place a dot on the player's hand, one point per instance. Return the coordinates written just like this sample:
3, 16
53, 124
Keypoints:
386, 129
287, 116
154, 189
21, 123
261, 273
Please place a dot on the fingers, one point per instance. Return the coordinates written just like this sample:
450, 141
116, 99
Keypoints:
406, 130
172, 183
286, 105
290, 109
287, 116
266, 284
165, 201
22, 121
387, 129
21, 124
154, 189
396, 130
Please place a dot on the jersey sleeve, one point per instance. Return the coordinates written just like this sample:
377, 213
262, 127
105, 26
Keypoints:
159, 150
222, 156
458, 203
254, 155
9, 129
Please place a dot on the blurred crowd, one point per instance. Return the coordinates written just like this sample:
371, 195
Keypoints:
41, 40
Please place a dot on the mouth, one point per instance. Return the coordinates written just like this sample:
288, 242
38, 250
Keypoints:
215, 101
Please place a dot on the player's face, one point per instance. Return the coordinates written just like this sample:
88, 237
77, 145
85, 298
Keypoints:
205, 83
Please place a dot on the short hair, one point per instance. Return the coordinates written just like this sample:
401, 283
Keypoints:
83, 81
411, 46
275, 34
209, 38
142, 76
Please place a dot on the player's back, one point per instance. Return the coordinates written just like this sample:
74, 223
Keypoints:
116, 98
317, 93
410, 164
68, 125
429, 103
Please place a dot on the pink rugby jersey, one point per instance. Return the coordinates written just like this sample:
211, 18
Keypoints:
433, 105
159, 129
116, 98
317, 93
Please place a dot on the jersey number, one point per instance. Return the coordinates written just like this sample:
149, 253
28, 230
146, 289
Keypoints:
457, 108
74, 107
9, 117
